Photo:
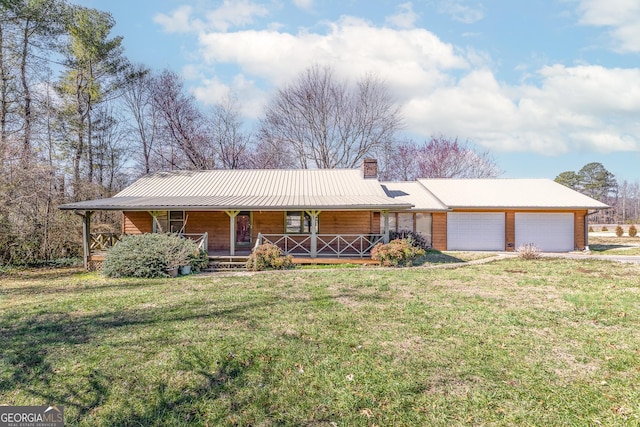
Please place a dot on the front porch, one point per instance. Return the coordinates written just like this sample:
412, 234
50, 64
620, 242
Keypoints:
305, 249
311, 234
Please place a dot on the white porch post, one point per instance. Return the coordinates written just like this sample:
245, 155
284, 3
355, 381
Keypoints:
386, 226
232, 231
314, 237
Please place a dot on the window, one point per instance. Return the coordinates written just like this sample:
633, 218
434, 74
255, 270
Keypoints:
299, 222
168, 222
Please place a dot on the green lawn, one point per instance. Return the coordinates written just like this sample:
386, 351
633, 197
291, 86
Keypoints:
549, 343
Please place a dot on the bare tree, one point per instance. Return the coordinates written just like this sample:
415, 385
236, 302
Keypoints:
138, 100
440, 157
231, 143
327, 123
186, 132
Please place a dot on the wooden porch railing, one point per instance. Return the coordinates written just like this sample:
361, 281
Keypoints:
329, 245
100, 242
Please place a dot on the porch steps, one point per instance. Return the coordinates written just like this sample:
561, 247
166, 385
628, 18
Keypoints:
226, 262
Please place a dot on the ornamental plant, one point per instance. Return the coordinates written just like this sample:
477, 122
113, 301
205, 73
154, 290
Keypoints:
633, 231
528, 251
151, 255
619, 231
396, 253
268, 257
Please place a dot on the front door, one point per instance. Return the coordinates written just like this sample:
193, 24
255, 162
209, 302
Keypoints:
243, 229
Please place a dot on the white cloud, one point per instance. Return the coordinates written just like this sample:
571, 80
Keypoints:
303, 4
405, 58
461, 12
443, 90
232, 13
405, 18
622, 17
573, 108
179, 21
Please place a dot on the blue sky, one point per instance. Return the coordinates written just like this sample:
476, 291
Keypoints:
545, 85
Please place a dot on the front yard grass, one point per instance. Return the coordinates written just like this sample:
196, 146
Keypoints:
512, 342
613, 245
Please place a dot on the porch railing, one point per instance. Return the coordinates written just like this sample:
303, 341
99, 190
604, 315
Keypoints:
102, 241
328, 245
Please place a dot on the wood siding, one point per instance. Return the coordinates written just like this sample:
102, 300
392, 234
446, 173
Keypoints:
346, 222
439, 231
510, 231
216, 224
579, 238
136, 222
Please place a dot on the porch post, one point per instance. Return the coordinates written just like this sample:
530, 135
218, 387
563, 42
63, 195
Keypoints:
86, 238
386, 226
314, 237
232, 231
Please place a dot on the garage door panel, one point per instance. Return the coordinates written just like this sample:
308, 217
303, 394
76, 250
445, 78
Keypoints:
551, 232
475, 231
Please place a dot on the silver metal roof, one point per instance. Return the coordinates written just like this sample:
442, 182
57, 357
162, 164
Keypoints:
415, 194
328, 189
508, 193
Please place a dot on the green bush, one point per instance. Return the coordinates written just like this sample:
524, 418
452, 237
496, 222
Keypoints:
398, 252
605, 229
151, 255
590, 229
268, 257
633, 231
619, 231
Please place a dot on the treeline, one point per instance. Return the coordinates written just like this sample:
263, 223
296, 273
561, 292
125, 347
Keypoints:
594, 180
79, 120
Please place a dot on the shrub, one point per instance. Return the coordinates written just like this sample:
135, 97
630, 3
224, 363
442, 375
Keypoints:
268, 257
605, 228
590, 229
398, 252
417, 239
619, 231
633, 231
528, 251
150, 255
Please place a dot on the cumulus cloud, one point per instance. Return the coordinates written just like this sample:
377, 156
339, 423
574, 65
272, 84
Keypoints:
458, 11
622, 17
443, 89
405, 58
230, 14
404, 18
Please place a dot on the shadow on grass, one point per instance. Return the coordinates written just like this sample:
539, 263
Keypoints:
603, 248
436, 257
29, 344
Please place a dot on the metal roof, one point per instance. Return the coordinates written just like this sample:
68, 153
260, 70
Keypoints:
415, 194
508, 193
264, 189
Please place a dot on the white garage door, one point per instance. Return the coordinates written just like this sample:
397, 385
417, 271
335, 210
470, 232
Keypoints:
475, 231
551, 232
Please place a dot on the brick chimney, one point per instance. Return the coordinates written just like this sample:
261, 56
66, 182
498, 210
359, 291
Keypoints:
370, 168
